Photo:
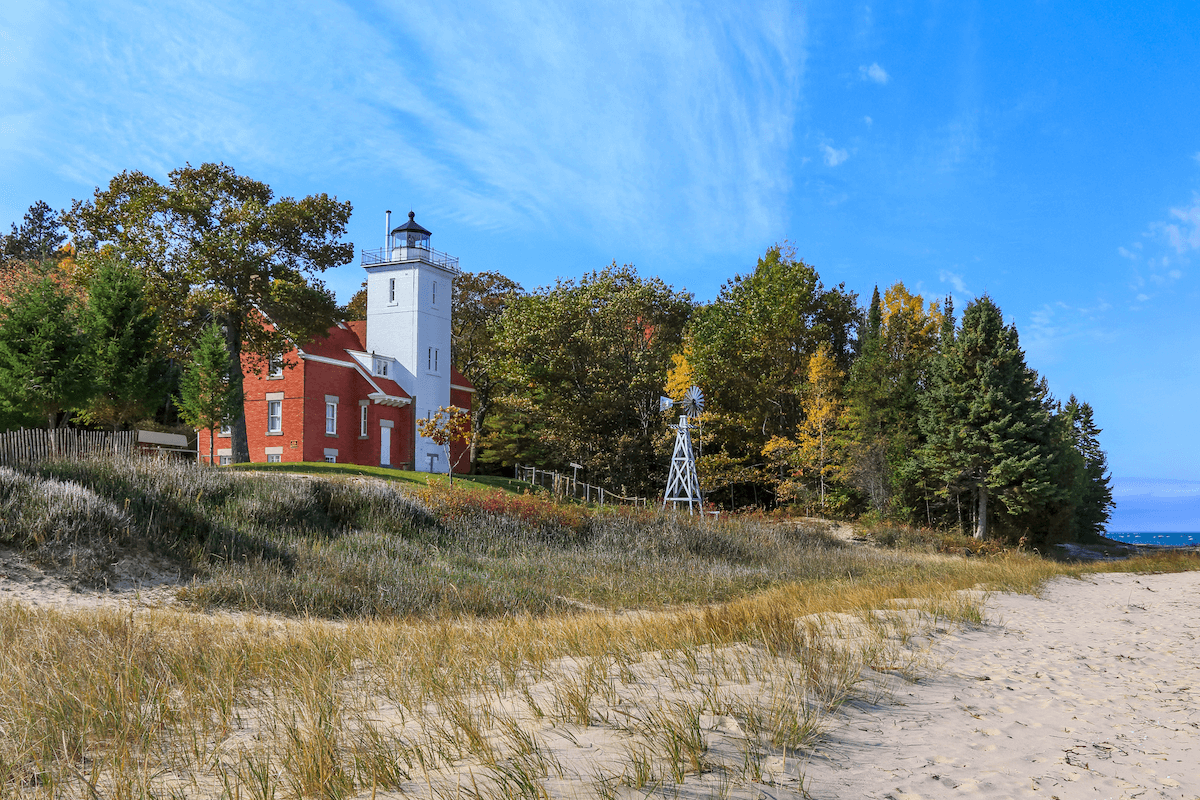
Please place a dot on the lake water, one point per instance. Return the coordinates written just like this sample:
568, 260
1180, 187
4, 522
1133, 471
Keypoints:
1156, 537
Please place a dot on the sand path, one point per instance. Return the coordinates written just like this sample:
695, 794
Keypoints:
1087, 692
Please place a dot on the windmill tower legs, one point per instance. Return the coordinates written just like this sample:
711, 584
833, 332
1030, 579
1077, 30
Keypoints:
683, 485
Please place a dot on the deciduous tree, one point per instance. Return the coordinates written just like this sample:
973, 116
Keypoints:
216, 245
477, 301
592, 355
750, 350
450, 424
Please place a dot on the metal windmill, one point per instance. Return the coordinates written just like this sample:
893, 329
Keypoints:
683, 484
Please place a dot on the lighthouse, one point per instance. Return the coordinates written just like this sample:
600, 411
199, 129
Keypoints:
408, 324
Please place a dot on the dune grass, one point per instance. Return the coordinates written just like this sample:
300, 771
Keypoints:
491, 671
400, 476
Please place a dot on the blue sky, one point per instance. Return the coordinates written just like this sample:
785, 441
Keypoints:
1046, 153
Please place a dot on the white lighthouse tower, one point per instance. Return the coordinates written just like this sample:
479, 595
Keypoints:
408, 323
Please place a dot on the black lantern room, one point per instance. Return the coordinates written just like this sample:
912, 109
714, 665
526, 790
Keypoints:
410, 234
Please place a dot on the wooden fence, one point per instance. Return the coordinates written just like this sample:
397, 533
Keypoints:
567, 486
24, 446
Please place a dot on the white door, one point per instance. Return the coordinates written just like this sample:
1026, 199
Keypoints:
385, 447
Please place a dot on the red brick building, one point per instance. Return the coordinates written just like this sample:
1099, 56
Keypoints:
330, 407
340, 401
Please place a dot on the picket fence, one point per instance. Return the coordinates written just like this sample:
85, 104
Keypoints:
26, 446
567, 486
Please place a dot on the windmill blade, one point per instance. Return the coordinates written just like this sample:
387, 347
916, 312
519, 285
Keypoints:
693, 401
664, 403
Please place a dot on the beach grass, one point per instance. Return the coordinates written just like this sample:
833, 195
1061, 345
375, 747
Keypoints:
540, 650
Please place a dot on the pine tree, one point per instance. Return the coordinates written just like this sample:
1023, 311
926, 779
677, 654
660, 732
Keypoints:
1095, 502
886, 380
207, 397
43, 363
986, 420
121, 331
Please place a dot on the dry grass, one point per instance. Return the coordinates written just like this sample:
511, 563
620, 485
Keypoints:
667, 692
169, 703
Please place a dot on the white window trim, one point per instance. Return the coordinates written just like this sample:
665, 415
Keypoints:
391, 291
330, 418
331, 454
275, 421
362, 418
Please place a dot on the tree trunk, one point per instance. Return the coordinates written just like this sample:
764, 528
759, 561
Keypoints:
981, 518
233, 343
212, 454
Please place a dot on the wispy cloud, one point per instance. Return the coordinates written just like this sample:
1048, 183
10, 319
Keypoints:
1183, 231
511, 114
956, 283
874, 73
833, 156
1157, 262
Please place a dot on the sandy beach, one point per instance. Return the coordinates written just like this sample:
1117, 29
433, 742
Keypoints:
1089, 691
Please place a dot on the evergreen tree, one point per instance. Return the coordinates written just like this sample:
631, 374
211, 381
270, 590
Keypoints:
40, 236
207, 396
43, 357
900, 338
1095, 502
986, 421
121, 331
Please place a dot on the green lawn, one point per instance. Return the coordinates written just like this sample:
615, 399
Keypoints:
397, 475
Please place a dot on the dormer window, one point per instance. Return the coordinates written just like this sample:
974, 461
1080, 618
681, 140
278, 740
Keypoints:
381, 367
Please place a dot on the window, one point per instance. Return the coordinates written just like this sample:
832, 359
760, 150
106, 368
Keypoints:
431, 360
274, 416
331, 418
362, 420
226, 429
330, 455
391, 290
275, 366
274, 458
225, 461
381, 367
435, 293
